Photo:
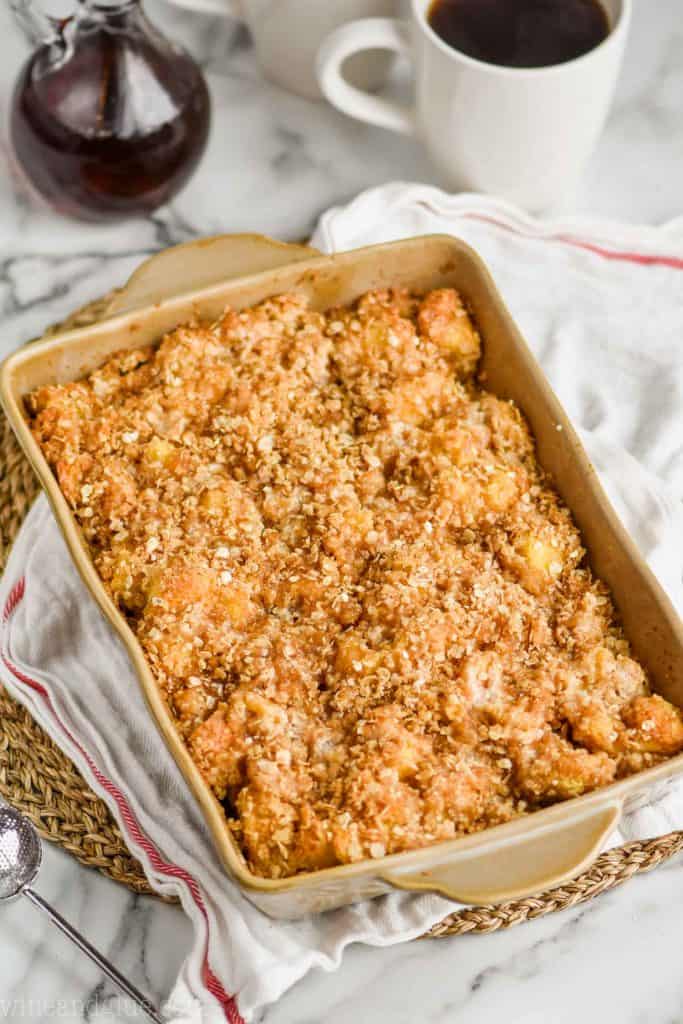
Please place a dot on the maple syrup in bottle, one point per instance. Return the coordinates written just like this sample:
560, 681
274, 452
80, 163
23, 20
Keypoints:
109, 118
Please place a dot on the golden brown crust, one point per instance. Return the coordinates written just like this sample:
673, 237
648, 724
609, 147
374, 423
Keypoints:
367, 609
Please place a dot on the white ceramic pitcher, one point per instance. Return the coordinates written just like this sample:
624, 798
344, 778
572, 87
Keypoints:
287, 35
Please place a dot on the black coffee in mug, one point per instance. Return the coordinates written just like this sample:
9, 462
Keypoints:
520, 33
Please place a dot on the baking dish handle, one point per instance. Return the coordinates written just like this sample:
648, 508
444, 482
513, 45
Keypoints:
194, 265
526, 865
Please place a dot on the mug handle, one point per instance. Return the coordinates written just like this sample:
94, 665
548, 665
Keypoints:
222, 8
366, 34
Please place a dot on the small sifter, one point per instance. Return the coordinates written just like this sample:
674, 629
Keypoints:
20, 858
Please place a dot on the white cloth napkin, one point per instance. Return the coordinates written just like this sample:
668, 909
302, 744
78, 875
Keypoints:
603, 309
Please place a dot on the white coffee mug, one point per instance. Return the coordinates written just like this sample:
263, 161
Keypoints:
521, 133
287, 35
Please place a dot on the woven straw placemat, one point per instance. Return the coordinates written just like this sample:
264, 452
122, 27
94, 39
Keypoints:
42, 782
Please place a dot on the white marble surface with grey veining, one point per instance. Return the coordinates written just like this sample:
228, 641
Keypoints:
274, 163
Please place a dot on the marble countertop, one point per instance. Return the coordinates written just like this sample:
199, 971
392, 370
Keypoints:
275, 162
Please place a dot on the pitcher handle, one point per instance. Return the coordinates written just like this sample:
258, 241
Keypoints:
41, 29
221, 8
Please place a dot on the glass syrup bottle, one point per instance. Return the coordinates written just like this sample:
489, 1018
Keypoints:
108, 118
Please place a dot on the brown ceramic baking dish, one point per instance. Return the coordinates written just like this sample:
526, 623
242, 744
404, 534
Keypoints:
524, 855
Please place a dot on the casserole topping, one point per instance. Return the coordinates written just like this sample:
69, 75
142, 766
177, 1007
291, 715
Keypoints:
368, 611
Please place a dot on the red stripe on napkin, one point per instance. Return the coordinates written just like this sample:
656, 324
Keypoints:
15, 596
132, 825
645, 259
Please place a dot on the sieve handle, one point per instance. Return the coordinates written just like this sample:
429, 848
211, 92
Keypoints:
97, 958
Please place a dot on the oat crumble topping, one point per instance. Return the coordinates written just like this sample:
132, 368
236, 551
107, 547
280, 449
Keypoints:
368, 610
